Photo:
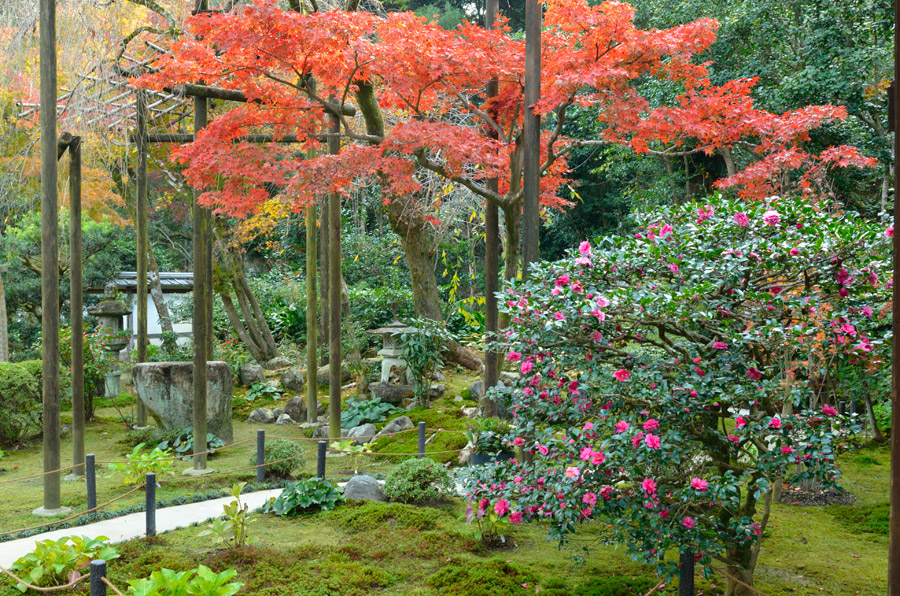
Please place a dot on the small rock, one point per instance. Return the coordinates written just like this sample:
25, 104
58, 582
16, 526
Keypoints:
261, 416
470, 412
278, 362
308, 425
323, 375
65, 430
277, 412
396, 425
321, 432
366, 431
438, 376
293, 380
296, 409
392, 394
476, 390
252, 373
510, 378
437, 391
284, 419
458, 398
364, 488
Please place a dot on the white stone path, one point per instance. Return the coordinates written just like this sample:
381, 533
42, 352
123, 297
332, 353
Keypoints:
133, 525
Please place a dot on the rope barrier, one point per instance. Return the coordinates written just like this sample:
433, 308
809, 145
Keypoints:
111, 586
68, 586
10, 480
243, 469
183, 456
655, 588
408, 430
75, 515
736, 580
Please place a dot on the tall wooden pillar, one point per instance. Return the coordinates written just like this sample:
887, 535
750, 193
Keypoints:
531, 134
49, 259
76, 306
491, 258
334, 294
200, 315
4, 321
312, 340
140, 227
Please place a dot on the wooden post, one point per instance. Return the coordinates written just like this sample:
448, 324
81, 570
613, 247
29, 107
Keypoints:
76, 307
334, 294
4, 321
140, 228
49, 259
491, 259
894, 525
312, 340
531, 134
200, 316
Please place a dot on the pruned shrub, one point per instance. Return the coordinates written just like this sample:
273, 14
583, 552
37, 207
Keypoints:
278, 451
417, 481
20, 404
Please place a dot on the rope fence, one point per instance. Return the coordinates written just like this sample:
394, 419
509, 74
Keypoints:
45, 590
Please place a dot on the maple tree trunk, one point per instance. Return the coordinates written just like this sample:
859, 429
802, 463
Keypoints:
156, 293
239, 328
513, 216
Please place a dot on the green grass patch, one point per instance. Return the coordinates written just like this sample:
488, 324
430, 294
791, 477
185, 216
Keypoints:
869, 519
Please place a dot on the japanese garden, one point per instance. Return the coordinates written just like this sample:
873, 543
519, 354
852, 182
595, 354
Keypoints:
400, 297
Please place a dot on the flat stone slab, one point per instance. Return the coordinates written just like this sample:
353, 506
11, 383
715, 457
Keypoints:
167, 389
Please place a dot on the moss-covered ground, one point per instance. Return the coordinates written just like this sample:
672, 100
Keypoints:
393, 549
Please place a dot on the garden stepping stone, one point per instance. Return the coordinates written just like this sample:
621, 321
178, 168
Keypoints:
364, 488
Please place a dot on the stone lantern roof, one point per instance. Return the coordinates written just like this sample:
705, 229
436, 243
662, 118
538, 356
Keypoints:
391, 335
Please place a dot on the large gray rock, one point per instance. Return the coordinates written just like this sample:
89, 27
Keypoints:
366, 431
284, 419
363, 488
392, 394
293, 380
396, 425
296, 409
261, 416
476, 390
278, 362
437, 391
166, 388
324, 374
252, 373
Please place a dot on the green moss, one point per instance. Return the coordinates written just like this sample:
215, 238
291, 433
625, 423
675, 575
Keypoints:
481, 578
358, 516
434, 420
616, 586
871, 519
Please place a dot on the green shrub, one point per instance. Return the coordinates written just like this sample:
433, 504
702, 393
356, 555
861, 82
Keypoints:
140, 463
278, 450
305, 496
417, 481
358, 412
616, 586
36, 368
57, 562
366, 516
182, 442
20, 404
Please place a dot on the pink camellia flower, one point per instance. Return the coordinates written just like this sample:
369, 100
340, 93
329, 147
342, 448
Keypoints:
515, 518
699, 484
794, 252
585, 248
622, 375
526, 367
741, 219
543, 449
588, 426
562, 280
771, 217
622, 426
688, 522
889, 233
501, 507
649, 486
775, 423
598, 457
596, 336
786, 449
720, 345
589, 499
583, 261
586, 453
518, 441
514, 356
651, 424
734, 439
829, 410
572, 473
652, 441
673, 267
867, 311
754, 374
739, 422
606, 492
559, 316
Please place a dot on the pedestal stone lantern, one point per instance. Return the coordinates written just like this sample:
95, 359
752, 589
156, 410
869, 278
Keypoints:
111, 313
393, 349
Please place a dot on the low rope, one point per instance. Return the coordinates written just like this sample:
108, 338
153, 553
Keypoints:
379, 453
184, 455
68, 586
19, 479
245, 468
736, 580
75, 515
111, 586
655, 588
408, 430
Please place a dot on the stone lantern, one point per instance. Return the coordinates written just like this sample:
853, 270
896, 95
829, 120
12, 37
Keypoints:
393, 349
111, 312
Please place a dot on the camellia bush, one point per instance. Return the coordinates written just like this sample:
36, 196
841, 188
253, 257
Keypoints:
663, 392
